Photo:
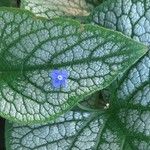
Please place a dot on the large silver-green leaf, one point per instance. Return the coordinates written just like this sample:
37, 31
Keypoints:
55, 8
31, 48
79, 130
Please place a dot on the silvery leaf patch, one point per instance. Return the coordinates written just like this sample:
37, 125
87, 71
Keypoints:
55, 8
31, 48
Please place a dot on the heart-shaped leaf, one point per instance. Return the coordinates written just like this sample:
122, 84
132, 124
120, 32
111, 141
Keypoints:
55, 8
32, 48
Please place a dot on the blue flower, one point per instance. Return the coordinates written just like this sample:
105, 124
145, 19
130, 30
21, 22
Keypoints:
59, 78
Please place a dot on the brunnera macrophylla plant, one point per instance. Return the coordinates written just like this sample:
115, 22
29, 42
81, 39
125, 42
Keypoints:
72, 86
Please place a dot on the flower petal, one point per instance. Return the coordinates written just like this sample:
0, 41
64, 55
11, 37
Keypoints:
56, 83
64, 73
54, 74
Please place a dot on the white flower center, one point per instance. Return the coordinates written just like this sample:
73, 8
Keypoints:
60, 77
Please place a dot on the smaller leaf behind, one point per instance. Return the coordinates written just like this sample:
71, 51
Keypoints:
57, 8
